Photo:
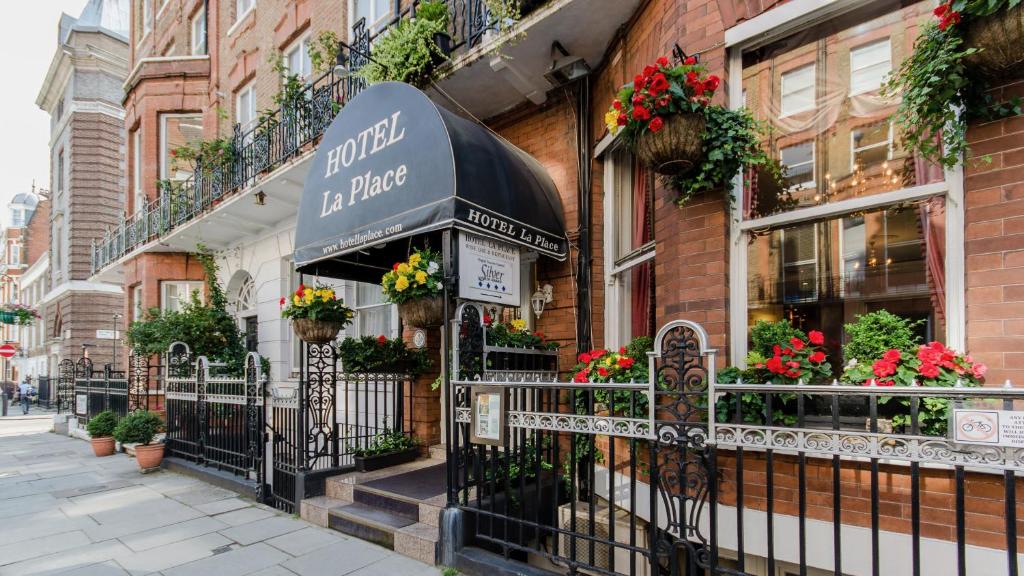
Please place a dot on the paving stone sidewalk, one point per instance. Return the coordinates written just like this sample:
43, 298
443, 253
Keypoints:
64, 511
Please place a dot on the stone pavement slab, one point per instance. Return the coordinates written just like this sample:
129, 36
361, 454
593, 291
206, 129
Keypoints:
64, 511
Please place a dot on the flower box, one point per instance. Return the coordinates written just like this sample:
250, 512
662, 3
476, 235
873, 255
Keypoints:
379, 461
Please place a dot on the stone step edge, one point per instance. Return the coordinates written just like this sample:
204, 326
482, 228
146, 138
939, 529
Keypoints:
316, 510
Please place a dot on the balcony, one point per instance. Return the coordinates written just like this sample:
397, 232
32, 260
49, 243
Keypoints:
274, 155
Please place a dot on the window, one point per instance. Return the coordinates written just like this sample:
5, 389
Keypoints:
243, 7
374, 11
175, 295
629, 248
199, 33
799, 163
245, 107
869, 65
798, 90
60, 172
178, 130
147, 17
15, 254
17, 217
838, 250
374, 316
296, 59
138, 309
138, 194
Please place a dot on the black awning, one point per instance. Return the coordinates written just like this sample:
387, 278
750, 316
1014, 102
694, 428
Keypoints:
394, 165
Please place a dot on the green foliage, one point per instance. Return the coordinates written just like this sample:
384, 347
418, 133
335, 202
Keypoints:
206, 156
138, 428
753, 409
731, 142
433, 10
504, 13
316, 303
939, 94
765, 335
407, 53
877, 332
380, 354
387, 442
323, 51
102, 424
419, 277
508, 335
449, 571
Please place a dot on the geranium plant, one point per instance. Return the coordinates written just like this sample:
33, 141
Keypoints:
628, 364
939, 91
731, 139
418, 277
797, 360
318, 303
515, 334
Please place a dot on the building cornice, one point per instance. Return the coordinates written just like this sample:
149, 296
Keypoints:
84, 50
80, 287
85, 107
133, 77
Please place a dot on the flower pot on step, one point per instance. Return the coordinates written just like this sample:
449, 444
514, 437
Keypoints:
103, 446
999, 38
423, 312
676, 148
149, 455
316, 331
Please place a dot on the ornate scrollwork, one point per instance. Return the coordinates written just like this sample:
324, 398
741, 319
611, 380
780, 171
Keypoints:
320, 387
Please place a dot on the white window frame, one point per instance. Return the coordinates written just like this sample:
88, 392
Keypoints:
138, 311
160, 11
375, 20
783, 112
249, 89
15, 254
357, 329
242, 9
60, 172
864, 90
298, 45
138, 193
799, 264
197, 42
774, 25
147, 18
854, 149
813, 162
190, 286
163, 137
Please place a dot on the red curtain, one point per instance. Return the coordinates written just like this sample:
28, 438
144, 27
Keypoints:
640, 284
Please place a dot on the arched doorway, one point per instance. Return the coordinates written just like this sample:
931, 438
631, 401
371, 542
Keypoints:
242, 303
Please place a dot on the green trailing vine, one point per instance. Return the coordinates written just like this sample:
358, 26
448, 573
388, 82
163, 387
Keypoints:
323, 51
407, 53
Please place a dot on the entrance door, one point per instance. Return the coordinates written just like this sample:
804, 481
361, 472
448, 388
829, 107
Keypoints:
252, 334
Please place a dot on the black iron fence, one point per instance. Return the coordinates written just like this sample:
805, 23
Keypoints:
97, 390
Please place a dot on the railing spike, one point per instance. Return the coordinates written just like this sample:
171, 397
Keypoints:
959, 383
872, 383
800, 382
835, 382
1007, 384
914, 382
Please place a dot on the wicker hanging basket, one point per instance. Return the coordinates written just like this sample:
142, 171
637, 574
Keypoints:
1000, 39
316, 331
423, 312
676, 148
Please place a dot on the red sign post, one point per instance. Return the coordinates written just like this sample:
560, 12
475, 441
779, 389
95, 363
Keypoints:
8, 351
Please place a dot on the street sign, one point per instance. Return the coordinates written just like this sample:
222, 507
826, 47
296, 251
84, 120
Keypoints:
107, 335
8, 351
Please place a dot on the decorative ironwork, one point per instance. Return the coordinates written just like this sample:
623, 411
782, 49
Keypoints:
202, 373
320, 396
581, 423
66, 386
138, 381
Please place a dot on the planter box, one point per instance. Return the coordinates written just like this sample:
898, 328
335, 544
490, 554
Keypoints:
370, 463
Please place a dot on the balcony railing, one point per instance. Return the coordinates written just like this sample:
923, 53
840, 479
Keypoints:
277, 138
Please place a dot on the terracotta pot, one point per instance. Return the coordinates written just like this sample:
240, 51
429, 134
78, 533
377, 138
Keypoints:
676, 148
423, 312
316, 331
149, 455
999, 38
103, 446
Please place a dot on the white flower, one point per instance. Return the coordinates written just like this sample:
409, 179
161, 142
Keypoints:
432, 267
851, 363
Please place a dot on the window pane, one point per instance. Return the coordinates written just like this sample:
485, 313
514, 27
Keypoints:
368, 294
375, 321
179, 131
822, 275
848, 115
799, 162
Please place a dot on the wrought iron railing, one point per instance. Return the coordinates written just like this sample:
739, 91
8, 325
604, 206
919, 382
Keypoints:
281, 136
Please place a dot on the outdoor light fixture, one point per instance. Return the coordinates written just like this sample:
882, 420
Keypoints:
543, 295
341, 64
261, 198
565, 68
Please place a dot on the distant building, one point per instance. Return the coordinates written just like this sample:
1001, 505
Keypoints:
13, 262
82, 92
34, 282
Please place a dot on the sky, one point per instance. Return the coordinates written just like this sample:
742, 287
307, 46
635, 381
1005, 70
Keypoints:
27, 50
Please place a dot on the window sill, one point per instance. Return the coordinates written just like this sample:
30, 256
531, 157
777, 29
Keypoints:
242, 20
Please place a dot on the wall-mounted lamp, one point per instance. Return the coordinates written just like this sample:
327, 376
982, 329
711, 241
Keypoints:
260, 198
543, 295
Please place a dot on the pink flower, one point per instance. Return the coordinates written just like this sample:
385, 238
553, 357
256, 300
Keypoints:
979, 370
929, 370
816, 338
817, 357
883, 368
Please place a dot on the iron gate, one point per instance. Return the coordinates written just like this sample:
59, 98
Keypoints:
97, 390
66, 386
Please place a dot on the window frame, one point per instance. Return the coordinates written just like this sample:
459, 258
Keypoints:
783, 113
813, 162
249, 88
375, 21
137, 309
887, 40
192, 285
147, 18
854, 149
138, 193
199, 17
357, 327
60, 172
240, 12
774, 25
163, 137
297, 45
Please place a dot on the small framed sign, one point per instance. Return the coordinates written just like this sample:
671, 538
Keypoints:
488, 270
81, 404
487, 407
993, 427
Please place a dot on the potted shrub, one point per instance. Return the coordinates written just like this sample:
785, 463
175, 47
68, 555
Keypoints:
942, 85
316, 314
408, 53
436, 11
666, 118
415, 285
389, 448
101, 431
381, 354
140, 428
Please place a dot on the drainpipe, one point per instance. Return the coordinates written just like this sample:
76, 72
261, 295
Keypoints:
584, 339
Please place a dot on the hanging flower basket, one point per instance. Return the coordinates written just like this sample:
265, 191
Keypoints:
999, 38
423, 312
316, 331
18, 314
8, 317
674, 149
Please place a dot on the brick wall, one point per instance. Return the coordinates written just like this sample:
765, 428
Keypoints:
37, 233
83, 313
150, 270
994, 244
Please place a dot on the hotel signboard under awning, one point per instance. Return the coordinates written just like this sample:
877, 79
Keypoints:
394, 165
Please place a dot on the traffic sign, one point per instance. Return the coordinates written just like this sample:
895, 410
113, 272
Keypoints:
8, 351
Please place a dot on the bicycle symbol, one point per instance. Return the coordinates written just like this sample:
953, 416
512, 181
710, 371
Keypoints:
978, 424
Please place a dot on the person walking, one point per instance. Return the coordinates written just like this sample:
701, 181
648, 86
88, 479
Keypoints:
24, 393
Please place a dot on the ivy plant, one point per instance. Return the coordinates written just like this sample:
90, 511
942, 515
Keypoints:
407, 53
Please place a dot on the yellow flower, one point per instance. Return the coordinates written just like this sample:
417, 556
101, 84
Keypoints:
385, 277
308, 297
519, 324
403, 268
296, 300
611, 120
414, 260
421, 277
308, 293
328, 294
608, 360
401, 284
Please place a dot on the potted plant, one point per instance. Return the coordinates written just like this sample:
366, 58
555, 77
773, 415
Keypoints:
18, 314
437, 11
943, 85
101, 431
388, 448
140, 428
666, 118
316, 314
381, 354
415, 285
407, 53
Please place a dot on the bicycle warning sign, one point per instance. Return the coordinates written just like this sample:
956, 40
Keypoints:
998, 427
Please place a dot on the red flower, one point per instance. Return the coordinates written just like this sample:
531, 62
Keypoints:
617, 104
884, 383
817, 357
659, 84
282, 301
656, 124
792, 364
662, 61
796, 343
792, 373
382, 340
488, 319
174, 153
774, 365
883, 368
602, 372
638, 98
816, 338
698, 89
892, 356
640, 113
597, 353
948, 20
539, 334
929, 370
626, 362
711, 84
649, 71
395, 267
691, 77
662, 102
622, 349
638, 82
776, 349
621, 120
787, 352
690, 60
941, 10
581, 376
584, 358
